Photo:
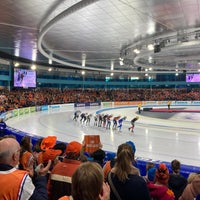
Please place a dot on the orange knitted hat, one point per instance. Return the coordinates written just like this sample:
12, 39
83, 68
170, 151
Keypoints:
49, 154
48, 142
74, 147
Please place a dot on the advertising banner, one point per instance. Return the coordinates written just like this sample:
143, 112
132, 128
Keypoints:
87, 104
44, 107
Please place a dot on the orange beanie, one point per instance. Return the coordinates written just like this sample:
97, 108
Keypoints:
74, 147
48, 142
49, 154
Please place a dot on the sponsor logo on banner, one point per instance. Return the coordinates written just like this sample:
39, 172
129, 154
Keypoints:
32, 109
15, 113
87, 104
95, 104
54, 106
195, 102
44, 107
151, 102
79, 105
182, 102
106, 104
127, 103
21, 111
26, 110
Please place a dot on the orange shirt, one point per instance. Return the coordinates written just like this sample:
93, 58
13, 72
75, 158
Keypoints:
12, 184
59, 183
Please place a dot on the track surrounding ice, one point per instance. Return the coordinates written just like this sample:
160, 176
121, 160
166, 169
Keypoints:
156, 138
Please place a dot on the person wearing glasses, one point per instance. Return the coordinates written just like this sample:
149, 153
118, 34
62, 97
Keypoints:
16, 183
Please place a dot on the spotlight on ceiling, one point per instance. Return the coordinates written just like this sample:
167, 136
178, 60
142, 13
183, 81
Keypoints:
137, 51
150, 47
33, 67
83, 72
50, 61
16, 64
121, 61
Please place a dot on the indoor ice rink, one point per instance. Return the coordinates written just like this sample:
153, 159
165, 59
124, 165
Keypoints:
157, 136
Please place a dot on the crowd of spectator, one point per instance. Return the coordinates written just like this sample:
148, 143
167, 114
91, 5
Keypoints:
47, 96
52, 170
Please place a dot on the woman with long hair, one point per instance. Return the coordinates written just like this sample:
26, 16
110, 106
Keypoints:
27, 160
124, 179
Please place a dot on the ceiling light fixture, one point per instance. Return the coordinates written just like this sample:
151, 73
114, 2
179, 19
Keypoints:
33, 67
83, 59
137, 51
16, 64
50, 61
150, 47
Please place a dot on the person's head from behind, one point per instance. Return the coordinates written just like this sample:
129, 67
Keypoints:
87, 181
26, 144
73, 150
9, 151
123, 165
36, 147
98, 156
151, 174
128, 147
60, 146
162, 174
149, 165
175, 165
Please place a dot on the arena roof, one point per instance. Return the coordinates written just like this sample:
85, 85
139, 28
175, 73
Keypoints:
110, 36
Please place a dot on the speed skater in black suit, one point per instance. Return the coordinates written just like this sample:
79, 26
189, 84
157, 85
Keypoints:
133, 123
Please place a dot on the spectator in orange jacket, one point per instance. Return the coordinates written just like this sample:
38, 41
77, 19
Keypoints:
17, 184
59, 183
88, 183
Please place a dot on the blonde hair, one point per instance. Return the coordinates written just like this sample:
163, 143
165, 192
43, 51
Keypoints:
192, 176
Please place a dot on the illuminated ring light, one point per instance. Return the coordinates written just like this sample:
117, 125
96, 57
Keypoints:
55, 20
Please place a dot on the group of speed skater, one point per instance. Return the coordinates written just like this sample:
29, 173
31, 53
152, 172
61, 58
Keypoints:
104, 120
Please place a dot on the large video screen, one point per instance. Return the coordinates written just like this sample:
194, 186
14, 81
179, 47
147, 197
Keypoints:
192, 78
25, 78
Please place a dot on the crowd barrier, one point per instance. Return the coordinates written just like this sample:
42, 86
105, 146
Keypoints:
141, 162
